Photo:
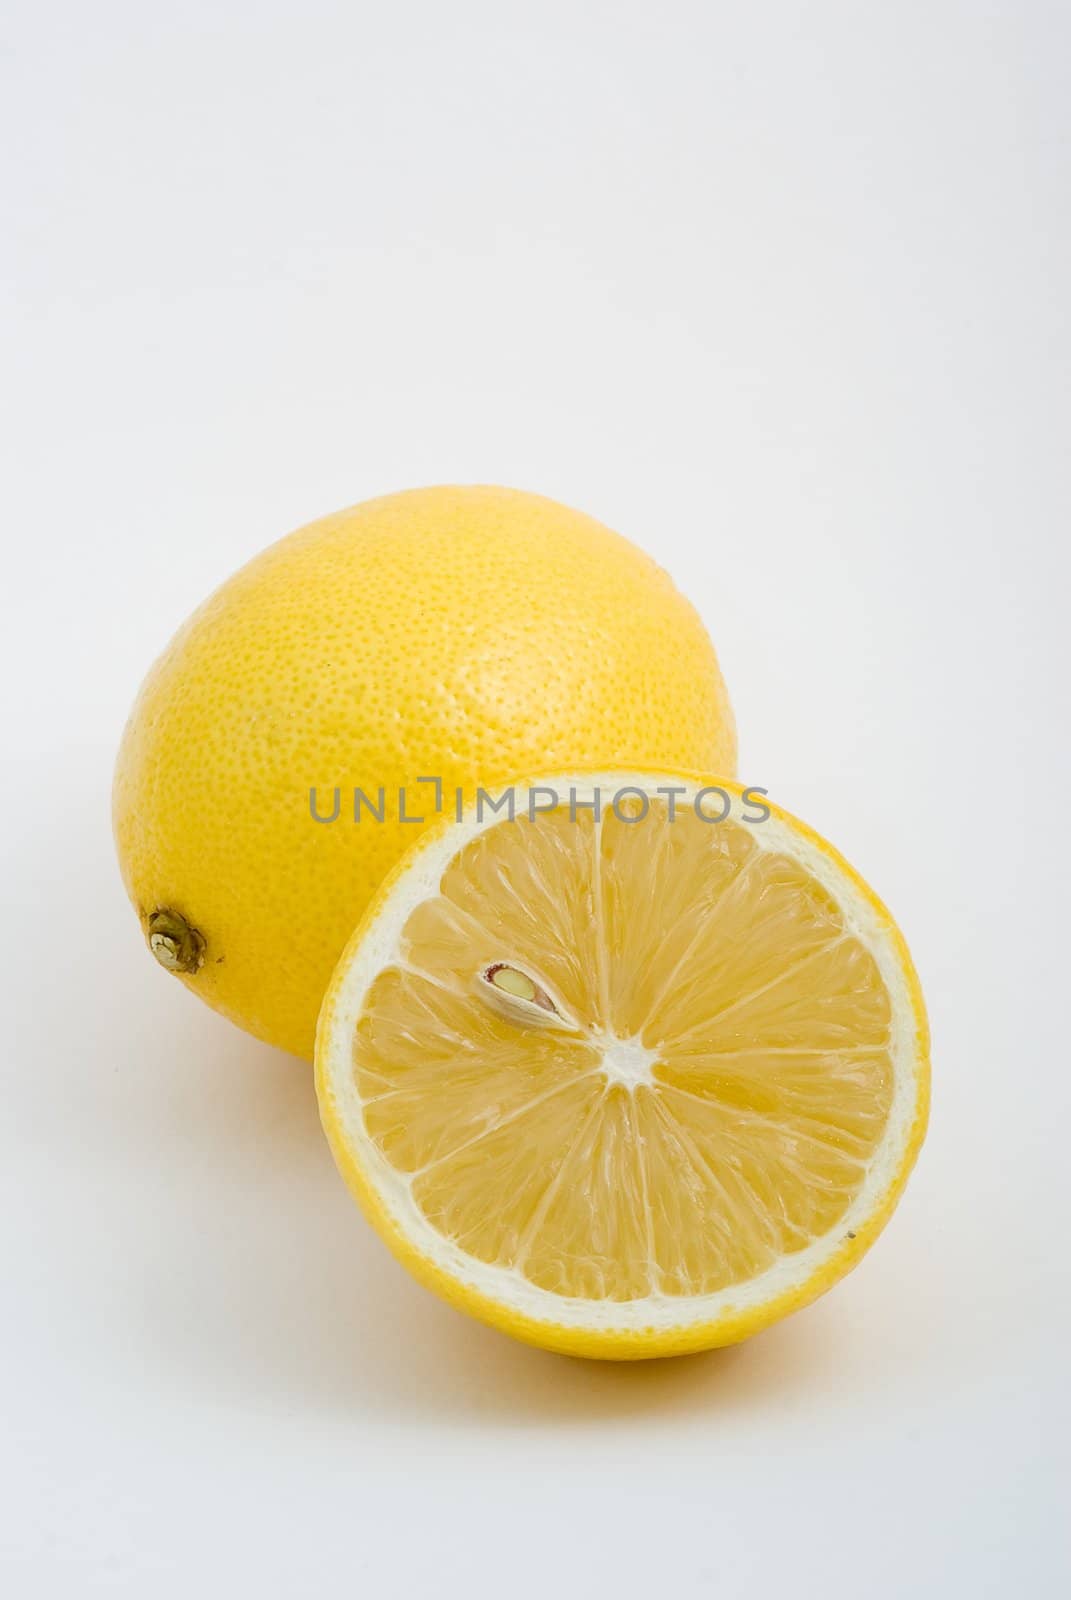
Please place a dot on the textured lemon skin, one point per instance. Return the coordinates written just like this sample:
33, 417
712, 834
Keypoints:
460, 633
731, 1326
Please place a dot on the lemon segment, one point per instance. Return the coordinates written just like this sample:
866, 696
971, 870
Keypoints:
719, 1118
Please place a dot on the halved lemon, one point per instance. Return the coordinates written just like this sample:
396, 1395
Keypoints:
634, 1071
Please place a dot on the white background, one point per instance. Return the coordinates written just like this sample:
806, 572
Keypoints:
777, 290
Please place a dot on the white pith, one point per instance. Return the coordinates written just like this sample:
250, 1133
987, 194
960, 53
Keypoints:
627, 1061
624, 1061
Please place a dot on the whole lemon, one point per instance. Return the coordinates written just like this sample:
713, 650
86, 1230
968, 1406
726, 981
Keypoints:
464, 635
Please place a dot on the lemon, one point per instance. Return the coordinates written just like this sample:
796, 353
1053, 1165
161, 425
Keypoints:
450, 634
636, 1072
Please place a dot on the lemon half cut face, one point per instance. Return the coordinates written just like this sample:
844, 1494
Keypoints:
619, 1079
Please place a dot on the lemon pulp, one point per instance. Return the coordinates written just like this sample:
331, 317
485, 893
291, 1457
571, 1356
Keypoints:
701, 1095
